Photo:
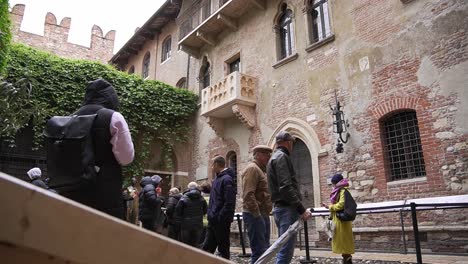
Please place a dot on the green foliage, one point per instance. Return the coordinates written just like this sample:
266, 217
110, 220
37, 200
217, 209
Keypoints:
5, 34
153, 110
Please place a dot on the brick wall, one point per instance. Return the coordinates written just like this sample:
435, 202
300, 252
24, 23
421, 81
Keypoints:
55, 38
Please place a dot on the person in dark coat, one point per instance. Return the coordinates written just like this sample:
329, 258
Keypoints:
150, 204
34, 175
173, 222
113, 147
285, 193
190, 209
205, 190
221, 209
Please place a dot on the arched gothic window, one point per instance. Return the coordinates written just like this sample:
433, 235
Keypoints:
182, 83
318, 20
166, 49
146, 64
285, 29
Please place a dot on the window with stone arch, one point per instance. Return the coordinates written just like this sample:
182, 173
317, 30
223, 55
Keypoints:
231, 159
146, 64
166, 49
318, 20
182, 83
284, 29
204, 76
131, 70
205, 71
401, 143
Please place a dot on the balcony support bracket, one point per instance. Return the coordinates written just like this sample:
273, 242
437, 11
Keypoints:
229, 22
260, 4
246, 114
206, 38
189, 50
217, 124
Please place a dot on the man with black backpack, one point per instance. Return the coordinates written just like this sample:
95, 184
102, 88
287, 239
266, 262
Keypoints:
86, 150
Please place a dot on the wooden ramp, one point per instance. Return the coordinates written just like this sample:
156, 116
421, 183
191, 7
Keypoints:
37, 226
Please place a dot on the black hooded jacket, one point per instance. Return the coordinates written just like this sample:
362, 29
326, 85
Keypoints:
149, 203
172, 202
191, 208
105, 194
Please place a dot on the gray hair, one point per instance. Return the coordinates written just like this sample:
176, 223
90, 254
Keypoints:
174, 190
192, 185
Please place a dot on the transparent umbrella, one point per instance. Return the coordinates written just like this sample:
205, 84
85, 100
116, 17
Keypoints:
283, 239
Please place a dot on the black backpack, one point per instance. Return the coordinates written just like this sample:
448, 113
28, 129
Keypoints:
349, 211
70, 151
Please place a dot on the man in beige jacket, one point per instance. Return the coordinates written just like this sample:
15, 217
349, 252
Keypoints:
256, 201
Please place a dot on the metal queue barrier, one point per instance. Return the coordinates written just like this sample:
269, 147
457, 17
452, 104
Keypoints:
412, 207
373, 208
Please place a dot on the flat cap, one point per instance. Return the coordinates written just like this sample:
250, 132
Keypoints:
284, 136
261, 148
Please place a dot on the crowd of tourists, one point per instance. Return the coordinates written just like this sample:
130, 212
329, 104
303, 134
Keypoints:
199, 216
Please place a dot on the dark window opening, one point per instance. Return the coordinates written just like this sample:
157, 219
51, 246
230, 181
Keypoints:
402, 145
206, 9
166, 49
234, 66
146, 64
182, 83
206, 76
131, 70
319, 20
286, 33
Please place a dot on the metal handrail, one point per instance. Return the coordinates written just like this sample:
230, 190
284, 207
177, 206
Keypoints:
410, 207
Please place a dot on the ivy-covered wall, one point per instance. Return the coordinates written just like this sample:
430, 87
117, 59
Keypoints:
153, 110
5, 34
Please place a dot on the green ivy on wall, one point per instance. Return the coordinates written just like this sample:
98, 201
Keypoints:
5, 34
153, 110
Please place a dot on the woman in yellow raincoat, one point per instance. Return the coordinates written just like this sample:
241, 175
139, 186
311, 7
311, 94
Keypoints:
343, 241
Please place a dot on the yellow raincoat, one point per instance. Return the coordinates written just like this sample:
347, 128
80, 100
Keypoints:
343, 240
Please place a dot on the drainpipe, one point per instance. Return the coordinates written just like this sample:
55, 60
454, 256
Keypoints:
188, 71
156, 56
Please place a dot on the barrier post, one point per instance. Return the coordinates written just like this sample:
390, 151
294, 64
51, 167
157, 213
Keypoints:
417, 244
241, 237
306, 240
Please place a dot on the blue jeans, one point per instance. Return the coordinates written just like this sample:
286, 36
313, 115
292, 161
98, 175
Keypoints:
284, 217
258, 229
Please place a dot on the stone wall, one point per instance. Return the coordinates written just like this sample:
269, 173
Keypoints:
383, 57
55, 38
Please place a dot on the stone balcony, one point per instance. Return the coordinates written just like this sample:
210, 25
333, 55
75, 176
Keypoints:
196, 36
233, 96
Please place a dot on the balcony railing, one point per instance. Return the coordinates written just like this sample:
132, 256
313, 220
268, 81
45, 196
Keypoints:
233, 96
236, 88
202, 26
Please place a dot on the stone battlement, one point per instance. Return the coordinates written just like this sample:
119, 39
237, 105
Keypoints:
55, 38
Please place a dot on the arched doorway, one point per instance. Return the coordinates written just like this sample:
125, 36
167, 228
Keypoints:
302, 164
304, 156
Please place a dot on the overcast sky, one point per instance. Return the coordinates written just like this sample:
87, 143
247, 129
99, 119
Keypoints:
122, 16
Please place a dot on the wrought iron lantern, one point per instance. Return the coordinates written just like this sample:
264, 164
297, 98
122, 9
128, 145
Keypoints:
340, 125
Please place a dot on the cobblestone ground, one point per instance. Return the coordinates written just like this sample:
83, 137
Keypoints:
296, 260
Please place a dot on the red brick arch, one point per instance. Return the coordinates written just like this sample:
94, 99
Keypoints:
380, 110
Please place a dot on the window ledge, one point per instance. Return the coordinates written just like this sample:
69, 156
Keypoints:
286, 60
320, 43
165, 61
413, 180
